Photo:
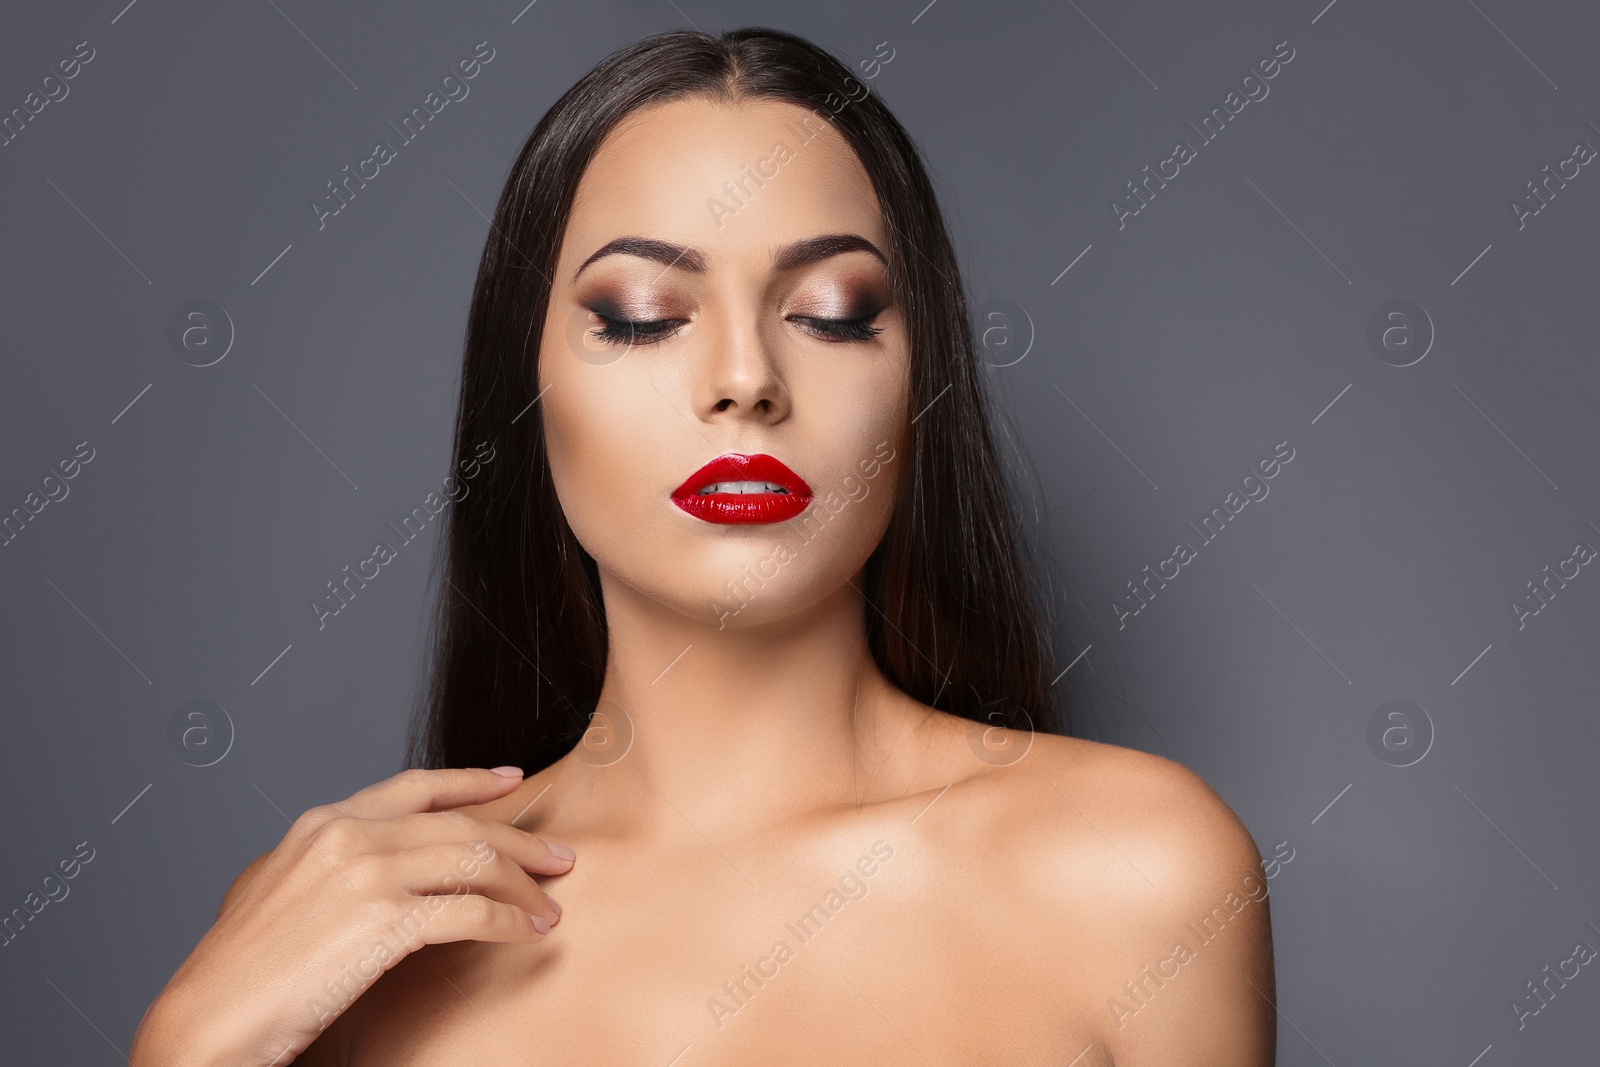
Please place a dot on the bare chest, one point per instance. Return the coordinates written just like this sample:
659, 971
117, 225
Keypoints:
875, 957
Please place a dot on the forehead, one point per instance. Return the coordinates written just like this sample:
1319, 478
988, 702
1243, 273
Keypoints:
728, 178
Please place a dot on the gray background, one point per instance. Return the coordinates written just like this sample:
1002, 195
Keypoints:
1225, 317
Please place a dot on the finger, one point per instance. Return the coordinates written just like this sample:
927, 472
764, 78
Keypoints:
436, 920
531, 852
458, 870
418, 790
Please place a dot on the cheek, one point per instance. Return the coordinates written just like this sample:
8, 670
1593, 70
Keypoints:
877, 501
862, 417
597, 440
851, 405
571, 465
864, 475
855, 493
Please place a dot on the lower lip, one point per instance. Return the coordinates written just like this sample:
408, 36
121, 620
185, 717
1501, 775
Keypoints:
791, 496
738, 508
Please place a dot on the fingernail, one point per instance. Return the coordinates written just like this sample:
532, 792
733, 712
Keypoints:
555, 905
539, 923
509, 772
561, 852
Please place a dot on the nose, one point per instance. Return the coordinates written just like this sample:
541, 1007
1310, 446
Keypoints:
737, 376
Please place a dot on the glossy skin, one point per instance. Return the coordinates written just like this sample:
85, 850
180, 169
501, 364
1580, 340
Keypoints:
985, 896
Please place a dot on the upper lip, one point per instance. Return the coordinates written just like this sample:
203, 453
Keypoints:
738, 467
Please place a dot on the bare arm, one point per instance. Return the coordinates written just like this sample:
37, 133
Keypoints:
1177, 968
1206, 997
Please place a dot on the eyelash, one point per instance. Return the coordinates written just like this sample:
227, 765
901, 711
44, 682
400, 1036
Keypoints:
844, 329
627, 331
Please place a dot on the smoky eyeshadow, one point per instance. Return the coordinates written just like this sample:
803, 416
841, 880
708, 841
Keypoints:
866, 302
840, 302
610, 306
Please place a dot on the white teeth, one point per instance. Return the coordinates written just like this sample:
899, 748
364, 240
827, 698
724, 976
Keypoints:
742, 487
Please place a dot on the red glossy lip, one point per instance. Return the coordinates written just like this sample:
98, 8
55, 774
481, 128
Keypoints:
743, 507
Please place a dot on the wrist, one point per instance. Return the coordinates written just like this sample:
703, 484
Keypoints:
179, 1030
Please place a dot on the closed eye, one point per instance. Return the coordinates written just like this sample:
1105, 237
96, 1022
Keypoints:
840, 330
632, 332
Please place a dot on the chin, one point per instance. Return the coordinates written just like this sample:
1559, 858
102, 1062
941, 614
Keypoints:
780, 582
741, 586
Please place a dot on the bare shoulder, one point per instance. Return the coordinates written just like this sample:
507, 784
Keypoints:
1182, 830
1142, 895
1163, 818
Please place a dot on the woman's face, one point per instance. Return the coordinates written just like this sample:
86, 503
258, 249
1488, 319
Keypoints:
743, 246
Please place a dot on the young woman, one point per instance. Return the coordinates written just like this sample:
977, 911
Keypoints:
736, 582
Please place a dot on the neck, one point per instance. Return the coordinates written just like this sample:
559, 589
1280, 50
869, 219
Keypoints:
739, 728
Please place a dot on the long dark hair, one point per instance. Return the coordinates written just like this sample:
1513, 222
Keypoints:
520, 632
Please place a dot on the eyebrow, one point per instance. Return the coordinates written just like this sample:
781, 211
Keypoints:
663, 252
813, 249
798, 254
